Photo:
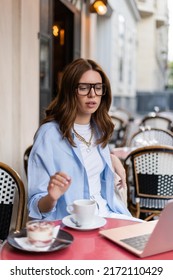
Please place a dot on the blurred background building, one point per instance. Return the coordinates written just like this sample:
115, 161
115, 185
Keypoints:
152, 55
40, 37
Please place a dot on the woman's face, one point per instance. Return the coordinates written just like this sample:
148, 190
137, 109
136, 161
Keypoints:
88, 104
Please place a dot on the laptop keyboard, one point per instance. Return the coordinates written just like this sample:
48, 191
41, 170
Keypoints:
137, 242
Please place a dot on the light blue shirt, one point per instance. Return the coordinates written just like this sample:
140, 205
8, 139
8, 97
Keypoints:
50, 154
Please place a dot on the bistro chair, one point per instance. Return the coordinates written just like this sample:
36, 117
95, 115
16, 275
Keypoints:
151, 136
12, 193
156, 121
119, 136
25, 158
122, 113
149, 172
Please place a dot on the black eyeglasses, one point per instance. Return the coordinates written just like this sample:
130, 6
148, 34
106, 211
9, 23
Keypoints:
85, 88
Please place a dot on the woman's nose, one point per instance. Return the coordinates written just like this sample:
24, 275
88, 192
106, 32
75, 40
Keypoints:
92, 92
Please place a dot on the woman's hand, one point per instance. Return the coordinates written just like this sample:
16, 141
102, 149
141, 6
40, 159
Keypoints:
58, 185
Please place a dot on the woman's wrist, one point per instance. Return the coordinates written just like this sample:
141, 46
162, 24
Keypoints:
46, 203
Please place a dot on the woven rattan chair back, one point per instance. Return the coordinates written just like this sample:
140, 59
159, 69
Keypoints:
157, 122
11, 187
151, 184
153, 136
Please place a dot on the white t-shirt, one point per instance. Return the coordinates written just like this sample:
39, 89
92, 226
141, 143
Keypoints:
94, 166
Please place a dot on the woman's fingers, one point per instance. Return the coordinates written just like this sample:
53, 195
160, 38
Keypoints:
60, 179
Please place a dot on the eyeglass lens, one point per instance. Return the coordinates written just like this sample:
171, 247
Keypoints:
85, 88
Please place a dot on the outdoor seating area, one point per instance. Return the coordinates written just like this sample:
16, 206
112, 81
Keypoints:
86, 147
147, 156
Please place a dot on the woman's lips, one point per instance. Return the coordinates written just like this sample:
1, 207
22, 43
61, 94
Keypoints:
91, 104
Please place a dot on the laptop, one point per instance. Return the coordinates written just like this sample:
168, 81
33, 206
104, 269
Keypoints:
146, 238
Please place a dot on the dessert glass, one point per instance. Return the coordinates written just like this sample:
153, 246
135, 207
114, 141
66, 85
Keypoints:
40, 233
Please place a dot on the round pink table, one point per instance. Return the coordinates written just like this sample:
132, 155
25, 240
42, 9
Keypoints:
87, 245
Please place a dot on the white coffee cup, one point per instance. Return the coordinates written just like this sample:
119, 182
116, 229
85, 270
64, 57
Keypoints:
83, 210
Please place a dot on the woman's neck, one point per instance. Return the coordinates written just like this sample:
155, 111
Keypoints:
83, 120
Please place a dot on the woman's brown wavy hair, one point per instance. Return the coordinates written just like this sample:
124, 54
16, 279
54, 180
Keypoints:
63, 109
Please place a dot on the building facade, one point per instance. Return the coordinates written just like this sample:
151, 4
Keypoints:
152, 43
152, 54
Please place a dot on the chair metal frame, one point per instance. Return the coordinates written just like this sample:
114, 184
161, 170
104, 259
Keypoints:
25, 158
10, 185
149, 172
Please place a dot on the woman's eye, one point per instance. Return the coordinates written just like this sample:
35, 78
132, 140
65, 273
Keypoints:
98, 88
83, 88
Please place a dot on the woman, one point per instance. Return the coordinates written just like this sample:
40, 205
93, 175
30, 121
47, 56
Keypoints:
70, 158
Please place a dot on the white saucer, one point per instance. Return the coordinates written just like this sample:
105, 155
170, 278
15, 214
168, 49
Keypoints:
98, 222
